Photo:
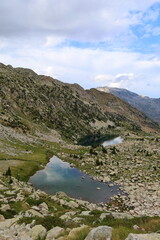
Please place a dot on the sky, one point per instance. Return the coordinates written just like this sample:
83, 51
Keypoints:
114, 43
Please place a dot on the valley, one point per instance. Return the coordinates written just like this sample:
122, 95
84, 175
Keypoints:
42, 117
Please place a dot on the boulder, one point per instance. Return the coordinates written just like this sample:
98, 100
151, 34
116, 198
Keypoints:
85, 213
38, 232
117, 215
67, 215
34, 213
104, 215
43, 205
72, 204
5, 207
151, 236
100, 233
43, 208
8, 223
54, 233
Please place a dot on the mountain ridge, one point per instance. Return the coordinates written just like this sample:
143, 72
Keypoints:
149, 106
29, 99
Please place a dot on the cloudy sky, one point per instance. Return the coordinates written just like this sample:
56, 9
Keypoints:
113, 43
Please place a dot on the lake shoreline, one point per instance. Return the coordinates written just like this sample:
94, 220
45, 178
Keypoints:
85, 183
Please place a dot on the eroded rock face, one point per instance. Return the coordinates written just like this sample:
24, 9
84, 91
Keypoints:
151, 236
100, 233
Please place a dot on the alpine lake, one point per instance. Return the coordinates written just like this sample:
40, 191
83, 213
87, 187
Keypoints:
59, 176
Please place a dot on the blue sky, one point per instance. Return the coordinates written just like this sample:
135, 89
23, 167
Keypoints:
93, 43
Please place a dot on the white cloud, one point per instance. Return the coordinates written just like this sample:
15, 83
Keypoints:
90, 67
92, 20
53, 41
38, 34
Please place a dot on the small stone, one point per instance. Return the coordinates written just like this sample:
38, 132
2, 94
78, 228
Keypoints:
135, 227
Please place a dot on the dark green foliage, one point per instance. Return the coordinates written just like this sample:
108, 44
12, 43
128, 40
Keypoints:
98, 163
8, 213
104, 150
10, 181
33, 202
92, 151
114, 150
8, 172
96, 139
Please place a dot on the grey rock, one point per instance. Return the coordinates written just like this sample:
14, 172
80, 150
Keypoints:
8, 223
117, 215
151, 236
104, 215
100, 233
5, 207
38, 232
85, 213
54, 233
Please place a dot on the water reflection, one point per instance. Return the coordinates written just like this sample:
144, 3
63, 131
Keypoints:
59, 176
112, 142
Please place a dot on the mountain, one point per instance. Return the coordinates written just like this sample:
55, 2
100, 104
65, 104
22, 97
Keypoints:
149, 106
41, 117
29, 101
114, 105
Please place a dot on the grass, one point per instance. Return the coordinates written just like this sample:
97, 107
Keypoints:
122, 227
31, 157
121, 233
8, 213
80, 235
19, 206
48, 221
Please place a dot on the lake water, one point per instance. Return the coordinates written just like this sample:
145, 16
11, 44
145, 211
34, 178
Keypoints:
116, 140
59, 176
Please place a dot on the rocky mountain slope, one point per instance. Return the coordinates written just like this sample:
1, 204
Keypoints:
41, 117
29, 101
128, 114
149, 106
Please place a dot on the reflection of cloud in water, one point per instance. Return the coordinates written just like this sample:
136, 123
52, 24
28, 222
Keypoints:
55, 161
58, 171
112, 142
59, 176
53, 176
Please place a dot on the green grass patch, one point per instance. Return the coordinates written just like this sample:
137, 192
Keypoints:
80, 235
48, 221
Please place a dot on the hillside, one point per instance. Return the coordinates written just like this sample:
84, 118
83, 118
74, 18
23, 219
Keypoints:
112, 104
149, 106
29, 101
